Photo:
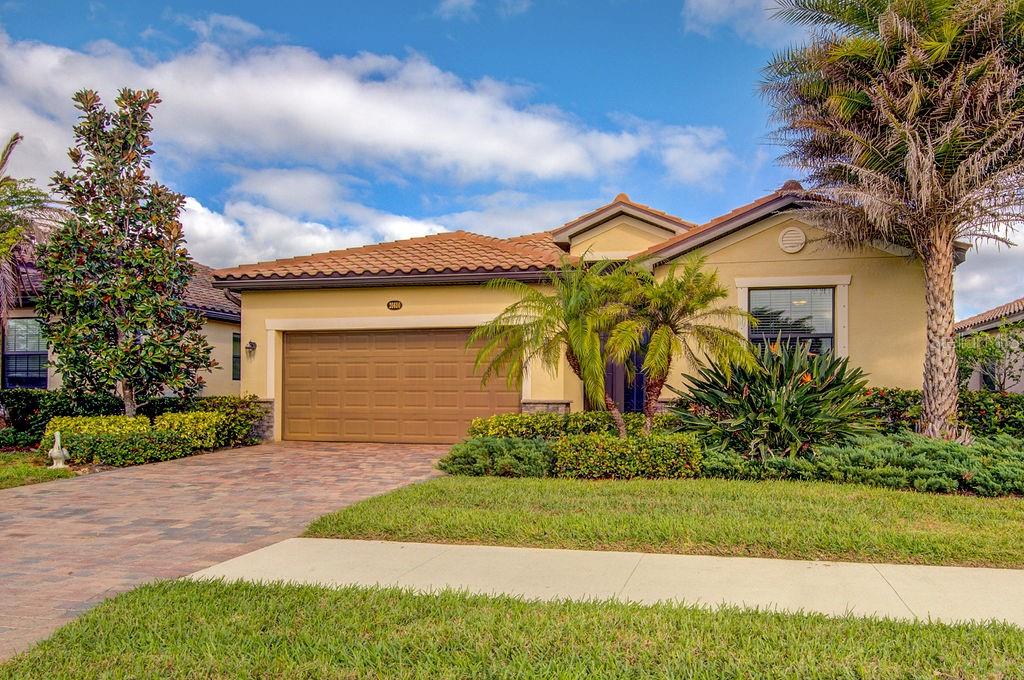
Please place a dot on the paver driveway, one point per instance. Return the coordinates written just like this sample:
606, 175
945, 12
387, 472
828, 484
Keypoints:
67, 545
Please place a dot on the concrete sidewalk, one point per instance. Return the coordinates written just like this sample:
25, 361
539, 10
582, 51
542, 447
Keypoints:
884, 590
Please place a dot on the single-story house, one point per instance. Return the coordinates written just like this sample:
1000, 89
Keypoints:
24, 362
990, 321
368, 343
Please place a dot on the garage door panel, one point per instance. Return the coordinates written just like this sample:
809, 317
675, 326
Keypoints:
401, 386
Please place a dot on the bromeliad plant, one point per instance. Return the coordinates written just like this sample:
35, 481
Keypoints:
790, 402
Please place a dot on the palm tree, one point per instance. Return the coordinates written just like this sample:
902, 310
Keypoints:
547, 323
25, 212
908, 116
677, 316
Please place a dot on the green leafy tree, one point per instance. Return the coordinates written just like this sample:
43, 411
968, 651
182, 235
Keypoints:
25, 214
997, 356
908, 116
547, 323
679, 315
116, 270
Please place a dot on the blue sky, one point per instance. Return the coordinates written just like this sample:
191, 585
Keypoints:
314, 125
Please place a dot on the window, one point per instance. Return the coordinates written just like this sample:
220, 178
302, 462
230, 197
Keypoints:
794, 315
236, 356
24, 359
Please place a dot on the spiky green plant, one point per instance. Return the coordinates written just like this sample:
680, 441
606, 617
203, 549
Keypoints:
908, 116
676, 317
788, 402
547, 323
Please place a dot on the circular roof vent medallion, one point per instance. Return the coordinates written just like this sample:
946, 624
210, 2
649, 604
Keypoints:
792, 240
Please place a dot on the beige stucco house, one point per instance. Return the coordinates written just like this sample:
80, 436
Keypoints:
367, 344
24, 361
990, 321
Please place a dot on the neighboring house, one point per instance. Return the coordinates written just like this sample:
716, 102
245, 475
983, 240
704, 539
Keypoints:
24, 359
988, 322
367, 344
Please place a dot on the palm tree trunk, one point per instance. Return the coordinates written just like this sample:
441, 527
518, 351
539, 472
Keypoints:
939, 416
652, 392
613, 408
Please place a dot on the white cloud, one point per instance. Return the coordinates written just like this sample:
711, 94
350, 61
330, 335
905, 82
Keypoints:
991, 276
289, 104
511, 8
249, 232
751, 20
226, 28
509, 213
694, 155
293, 191
451, 9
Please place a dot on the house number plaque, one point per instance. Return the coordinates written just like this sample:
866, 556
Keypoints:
394, 305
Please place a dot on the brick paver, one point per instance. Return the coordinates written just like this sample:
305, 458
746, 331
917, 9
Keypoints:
67, 545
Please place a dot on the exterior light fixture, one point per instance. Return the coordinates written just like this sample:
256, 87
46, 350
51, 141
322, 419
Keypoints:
250, 347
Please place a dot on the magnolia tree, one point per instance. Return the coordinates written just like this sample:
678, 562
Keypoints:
115, 271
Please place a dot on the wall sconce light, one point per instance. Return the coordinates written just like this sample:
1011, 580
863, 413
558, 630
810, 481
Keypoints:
250, 347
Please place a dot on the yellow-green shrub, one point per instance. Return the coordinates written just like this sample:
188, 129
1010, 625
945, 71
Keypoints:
197, 428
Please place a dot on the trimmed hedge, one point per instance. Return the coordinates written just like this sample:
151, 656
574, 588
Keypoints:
29, 411
499, 457
555, 425
198, 428
242, 415
985, 414
12, 439
127, 448
989, 467
604, 456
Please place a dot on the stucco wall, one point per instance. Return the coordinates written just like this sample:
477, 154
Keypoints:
218, 381
886, 311
617, 238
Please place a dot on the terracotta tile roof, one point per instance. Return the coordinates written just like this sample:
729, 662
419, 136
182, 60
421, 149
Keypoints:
625, 200
200, 294
451, 252
790, 188
992, 316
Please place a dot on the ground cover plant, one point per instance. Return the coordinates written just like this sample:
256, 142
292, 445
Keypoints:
783, 519
188, 629
18, 468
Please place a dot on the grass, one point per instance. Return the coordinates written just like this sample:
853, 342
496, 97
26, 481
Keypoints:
799, 520
212, 629
18, 469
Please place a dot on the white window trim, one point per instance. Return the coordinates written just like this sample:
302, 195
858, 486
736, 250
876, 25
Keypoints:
841, 284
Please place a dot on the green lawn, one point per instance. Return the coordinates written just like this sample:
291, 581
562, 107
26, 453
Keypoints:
17, 469
203, 630
803, 520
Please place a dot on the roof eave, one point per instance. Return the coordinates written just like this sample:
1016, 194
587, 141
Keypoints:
719, 230
378, 280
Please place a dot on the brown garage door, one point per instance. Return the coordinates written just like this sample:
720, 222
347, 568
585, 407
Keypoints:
415, 386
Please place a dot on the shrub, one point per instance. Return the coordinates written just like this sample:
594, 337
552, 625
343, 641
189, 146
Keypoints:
199, 429
984, 413
72, 425
30, 410
606, 456
498, 457
240, 426
989, 467
126, 448
11, 438
790, 402
555, 425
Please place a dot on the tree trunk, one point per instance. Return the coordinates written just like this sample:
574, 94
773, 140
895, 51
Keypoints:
939, 416
128, 397
613, 408
652, 392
